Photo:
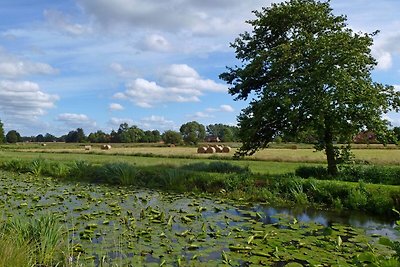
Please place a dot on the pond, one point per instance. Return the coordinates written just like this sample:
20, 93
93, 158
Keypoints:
139, 227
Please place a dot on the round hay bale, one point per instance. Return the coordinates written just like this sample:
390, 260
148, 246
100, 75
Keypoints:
226, 149
218, 149
105, 147
202, 150
88, 147
210, 150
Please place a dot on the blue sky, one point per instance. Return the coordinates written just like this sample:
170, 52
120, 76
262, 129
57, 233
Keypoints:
154, 64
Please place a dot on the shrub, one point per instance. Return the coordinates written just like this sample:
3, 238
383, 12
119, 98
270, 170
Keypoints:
218, 167
312, 171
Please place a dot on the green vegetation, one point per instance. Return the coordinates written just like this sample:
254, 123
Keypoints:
236, 181
193, 132
354, 173
32, 242
117, 226
307, 72
2, 137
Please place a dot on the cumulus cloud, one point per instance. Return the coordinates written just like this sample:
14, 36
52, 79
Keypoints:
13, 67
156, 122
24, 100
180, 83
384, 59
74, 120
115, 106
62, 23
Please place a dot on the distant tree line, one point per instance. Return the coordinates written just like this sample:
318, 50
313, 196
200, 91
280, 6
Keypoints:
189, 133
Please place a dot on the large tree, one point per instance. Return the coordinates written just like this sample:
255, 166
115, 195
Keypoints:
306, 70
193, 132
13, 137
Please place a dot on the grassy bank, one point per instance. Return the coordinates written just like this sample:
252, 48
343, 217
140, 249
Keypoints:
234, 181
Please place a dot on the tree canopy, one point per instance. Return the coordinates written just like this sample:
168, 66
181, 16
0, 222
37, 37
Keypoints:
2, 138
13, 137
305, 70
193, 132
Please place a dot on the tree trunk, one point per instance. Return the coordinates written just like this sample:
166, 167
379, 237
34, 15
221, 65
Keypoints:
330, 152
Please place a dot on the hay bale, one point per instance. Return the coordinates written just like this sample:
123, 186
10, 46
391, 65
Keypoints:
210, 150
43, 144
202, 150
226, 149
106, 147
218, 149
88, 147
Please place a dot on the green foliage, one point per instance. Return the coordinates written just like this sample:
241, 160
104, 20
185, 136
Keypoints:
118, 173
193, 132
312, 171
172, 137
2, 137
99, 137
306, 72
76, 136
13, 137
224, 132
218, 167
354, 173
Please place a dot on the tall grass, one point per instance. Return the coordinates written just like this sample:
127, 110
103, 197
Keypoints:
34, 242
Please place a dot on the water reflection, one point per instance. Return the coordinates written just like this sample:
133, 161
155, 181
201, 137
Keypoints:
372, 224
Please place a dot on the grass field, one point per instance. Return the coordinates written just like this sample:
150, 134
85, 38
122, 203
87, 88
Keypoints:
373, 154
264, 167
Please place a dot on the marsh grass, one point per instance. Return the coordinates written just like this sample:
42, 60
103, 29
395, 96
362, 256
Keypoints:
13, 253
37, 241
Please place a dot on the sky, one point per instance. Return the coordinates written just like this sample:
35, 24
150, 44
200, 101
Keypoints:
95, 64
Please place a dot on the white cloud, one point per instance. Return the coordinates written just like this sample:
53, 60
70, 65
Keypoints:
201, 115
62, 23
227, 108
383, 57
155, 42
397, 87
74, 120
115, 106
156, 122
183, 76
209, 112
180, 83
13, 67
24, 100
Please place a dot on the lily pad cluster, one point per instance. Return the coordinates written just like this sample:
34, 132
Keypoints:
129, 226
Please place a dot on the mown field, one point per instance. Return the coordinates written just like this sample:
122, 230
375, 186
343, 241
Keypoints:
373, 154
